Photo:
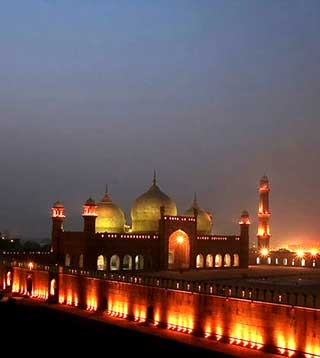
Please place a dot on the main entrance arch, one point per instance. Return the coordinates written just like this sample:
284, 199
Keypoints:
178, 250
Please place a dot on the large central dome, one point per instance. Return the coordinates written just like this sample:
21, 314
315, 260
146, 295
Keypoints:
145, 212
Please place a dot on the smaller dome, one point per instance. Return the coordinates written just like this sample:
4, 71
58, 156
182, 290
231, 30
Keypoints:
110, 218
244, 213
204, 218
58, 204
244, 218
90, 202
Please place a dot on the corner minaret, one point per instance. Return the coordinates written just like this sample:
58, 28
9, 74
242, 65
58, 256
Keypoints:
58, 216
263, 234
244, 223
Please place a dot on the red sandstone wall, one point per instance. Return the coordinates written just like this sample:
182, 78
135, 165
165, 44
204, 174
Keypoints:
258, 322
2, 277
39, 280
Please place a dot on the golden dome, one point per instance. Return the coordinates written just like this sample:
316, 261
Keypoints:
204, 218
110, 217
145, 212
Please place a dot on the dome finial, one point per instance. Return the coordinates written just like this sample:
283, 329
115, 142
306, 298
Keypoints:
195, 199
106, 188
154, 182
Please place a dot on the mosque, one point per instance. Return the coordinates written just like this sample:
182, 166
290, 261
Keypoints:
158, 238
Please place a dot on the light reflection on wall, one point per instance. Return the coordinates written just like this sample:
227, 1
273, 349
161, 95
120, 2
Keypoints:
180, 316
247, 323
248, 336
118, 309
38, 279
313, 351
91, 294
140, 314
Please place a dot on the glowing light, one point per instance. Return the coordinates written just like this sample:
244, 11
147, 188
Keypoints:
180, 239
156, 318
89, 210
314, 252
181, 323
264, 251
52, 287
8, 278
30, 265
57, 213
312, 351
218, 333
118, 309
92, 304
300, 253
207, 331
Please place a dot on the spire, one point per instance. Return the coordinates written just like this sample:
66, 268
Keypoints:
195, 203
106, 198
154, 182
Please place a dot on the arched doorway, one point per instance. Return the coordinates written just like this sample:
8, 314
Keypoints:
8, 279
67, 260
115, 263
227, 260
127, 262
29, 285
53, 286
235, 260
209, 261
101, 263
139, 262
81, 261
199, 261
218, 260
178, 251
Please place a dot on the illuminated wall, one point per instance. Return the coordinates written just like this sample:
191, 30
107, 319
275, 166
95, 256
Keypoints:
252, 324
282, 328
31, 282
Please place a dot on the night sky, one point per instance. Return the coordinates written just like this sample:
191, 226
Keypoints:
213, 94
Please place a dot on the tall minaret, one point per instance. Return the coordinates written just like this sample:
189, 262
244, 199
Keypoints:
263, 234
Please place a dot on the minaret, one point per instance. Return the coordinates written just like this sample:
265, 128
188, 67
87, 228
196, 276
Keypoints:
89, 216
263, 234
244, 223
58, 216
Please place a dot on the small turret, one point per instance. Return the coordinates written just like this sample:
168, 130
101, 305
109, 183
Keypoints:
89, 216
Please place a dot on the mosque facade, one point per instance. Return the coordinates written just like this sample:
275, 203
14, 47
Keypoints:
157, 239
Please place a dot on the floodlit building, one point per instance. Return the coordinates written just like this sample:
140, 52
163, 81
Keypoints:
158, 238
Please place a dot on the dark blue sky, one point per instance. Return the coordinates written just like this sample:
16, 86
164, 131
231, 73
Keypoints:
213, 94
